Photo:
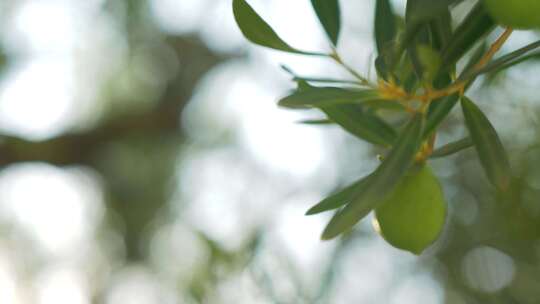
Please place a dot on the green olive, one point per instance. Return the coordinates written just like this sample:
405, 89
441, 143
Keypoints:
519, 14
414, 214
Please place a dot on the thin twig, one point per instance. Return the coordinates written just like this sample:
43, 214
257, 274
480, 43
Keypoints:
364, 81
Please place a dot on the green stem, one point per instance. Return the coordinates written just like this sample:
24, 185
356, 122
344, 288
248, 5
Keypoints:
364, 81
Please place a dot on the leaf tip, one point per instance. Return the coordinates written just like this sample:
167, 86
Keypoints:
311, 211
327, 236
236, 8
331, 231
290, 104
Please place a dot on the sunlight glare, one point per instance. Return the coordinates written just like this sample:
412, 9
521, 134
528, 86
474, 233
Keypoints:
137, 285
271, 134
61, 286
300, 235
35, 101
49, 203
179, 16
8, 289
43, 26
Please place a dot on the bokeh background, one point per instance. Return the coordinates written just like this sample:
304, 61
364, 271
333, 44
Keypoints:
143, 160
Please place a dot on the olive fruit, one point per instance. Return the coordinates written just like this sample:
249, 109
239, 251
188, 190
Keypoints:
413, 216
519, 14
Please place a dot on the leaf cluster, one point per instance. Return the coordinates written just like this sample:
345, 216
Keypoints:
417, 77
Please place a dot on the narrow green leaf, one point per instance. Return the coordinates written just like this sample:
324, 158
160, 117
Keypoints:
474, 59
476, 25
316, 122
438, 110
441, 30
404, 72
327, 80
382, 66
416, 31
388, 105
385, 25
340, 197
422, 38
453, 147
297, 78
256, 30
528, 57
504, 62
419, 11
430, 60
441, 33
383, 181
487, 144
329, 14
302, 86
362, 124
327, 96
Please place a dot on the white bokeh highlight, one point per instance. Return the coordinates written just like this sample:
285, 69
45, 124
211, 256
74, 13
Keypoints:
56, 208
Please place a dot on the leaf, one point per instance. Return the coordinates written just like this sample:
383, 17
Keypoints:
352, 118
430, 60
528, 57
421, 38
487, 144
438, 110
452, 148
256, 30
474, 59
385, 25
381, 184
419, 11
339, 198
388, 105
327, 80
362, 124
418, 16
404, 71
299, 78
327, 96
316, 122
329, 14
441, 29
505, 61
302, 85
422, 12
476, 25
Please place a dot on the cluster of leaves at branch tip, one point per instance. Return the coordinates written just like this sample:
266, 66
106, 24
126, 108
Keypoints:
420, 81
